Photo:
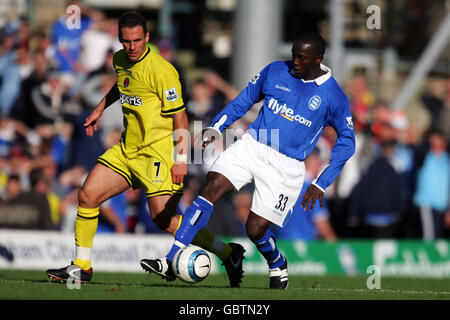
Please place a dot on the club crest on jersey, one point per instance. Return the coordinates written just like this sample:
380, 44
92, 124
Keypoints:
126, 82
171, 94
314, 103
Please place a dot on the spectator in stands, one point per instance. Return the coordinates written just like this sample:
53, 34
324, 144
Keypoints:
381, 126
13, 187
10, 77
96, 42
26, 109
18, 162
7, 136
376, 200
445, 119
42, 179
46, 105
403, 163
361, 100
29, 209
433, 100
208, 96
49, 184
67, 40
41, 42
432, 194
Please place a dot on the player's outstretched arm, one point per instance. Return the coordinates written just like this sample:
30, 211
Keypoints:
90, 123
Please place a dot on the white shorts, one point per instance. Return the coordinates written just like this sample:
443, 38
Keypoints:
278, 178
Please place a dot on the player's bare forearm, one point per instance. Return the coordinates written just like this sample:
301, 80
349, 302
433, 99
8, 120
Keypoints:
181, 133
90, 123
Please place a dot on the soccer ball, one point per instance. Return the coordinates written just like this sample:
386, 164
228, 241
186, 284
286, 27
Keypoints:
191, 264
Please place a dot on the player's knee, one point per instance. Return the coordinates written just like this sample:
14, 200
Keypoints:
86, 199
216, 185
255, 231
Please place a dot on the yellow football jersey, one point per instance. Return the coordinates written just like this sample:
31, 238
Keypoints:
150, 92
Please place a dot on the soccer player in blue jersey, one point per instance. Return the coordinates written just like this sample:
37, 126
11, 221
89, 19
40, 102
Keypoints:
300, 98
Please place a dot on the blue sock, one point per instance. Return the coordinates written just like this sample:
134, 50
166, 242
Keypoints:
268, 248
194, 219
175, 247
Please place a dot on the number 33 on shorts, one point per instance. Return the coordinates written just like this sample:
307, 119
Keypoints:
282, 200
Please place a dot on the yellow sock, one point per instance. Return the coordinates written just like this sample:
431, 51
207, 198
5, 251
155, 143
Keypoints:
83, 264
206, 240
85, 229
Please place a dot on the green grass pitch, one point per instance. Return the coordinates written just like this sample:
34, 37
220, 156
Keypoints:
34, 285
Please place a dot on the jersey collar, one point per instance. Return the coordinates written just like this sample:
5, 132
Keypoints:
143, 56
323, 78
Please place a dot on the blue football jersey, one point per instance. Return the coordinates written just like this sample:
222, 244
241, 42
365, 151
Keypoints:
293, 115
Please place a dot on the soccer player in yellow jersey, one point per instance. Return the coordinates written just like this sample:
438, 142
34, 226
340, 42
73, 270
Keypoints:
149, 91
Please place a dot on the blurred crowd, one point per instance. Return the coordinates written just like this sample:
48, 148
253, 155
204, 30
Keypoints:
397, 184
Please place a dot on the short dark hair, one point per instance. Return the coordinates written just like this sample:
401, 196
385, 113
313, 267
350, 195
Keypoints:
36, 174
132, 19
313, 38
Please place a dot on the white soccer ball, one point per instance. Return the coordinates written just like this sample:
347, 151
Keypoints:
191, 264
